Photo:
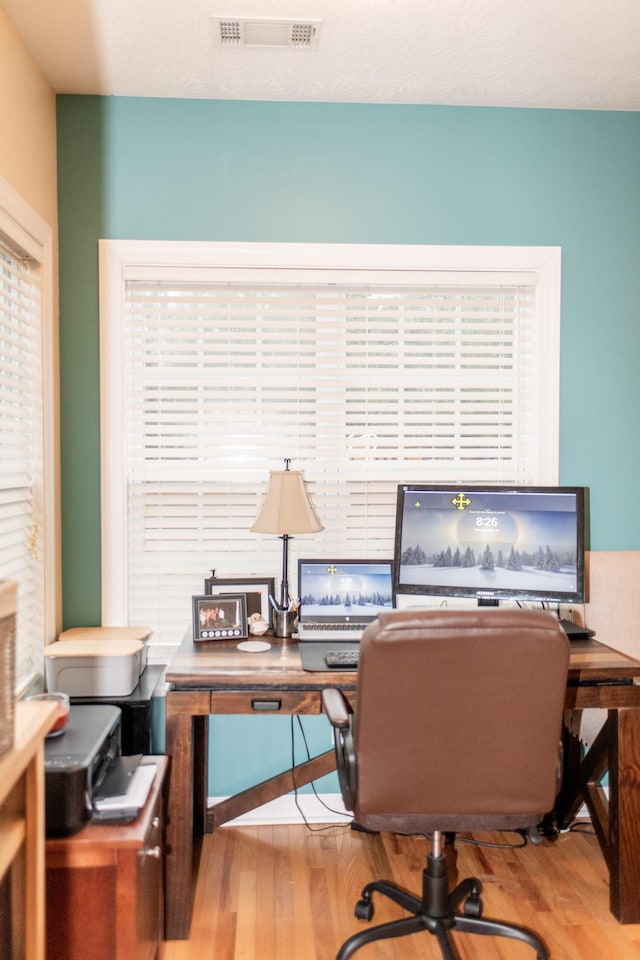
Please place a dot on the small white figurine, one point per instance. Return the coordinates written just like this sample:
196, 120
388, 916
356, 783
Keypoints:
257, 624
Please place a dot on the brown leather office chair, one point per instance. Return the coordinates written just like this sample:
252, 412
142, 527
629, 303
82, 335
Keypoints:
457, 728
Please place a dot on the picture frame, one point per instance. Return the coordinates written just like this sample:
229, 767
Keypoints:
221, 616
257, 591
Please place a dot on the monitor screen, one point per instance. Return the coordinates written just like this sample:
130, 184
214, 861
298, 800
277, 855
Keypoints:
490, 543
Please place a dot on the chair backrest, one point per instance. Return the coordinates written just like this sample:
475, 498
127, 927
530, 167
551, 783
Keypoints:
458, 719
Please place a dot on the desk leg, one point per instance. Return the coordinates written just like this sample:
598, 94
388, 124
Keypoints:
200, 767
186, 738
616, 819
570, 797
624, 815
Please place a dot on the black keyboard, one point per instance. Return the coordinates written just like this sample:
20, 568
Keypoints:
342, 659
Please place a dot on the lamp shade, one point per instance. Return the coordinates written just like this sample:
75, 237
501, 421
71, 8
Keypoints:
287, 507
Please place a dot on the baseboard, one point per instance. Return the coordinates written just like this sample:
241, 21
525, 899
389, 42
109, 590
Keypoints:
309, 808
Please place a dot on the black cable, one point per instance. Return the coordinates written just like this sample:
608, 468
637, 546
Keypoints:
329, 826
478, 843
580, 826
489, 843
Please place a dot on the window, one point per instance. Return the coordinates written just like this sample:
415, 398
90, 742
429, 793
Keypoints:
26, 428
368, 366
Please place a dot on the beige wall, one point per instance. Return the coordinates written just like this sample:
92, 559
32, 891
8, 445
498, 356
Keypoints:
28, 165
613, 610
27, 126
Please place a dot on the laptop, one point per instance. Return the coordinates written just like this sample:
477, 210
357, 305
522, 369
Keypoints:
338, 599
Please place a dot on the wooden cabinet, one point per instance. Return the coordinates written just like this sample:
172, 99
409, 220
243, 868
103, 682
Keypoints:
105, 887
22, 909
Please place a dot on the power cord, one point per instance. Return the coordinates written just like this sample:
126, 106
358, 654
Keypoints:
498, 846
312, 829
580, 826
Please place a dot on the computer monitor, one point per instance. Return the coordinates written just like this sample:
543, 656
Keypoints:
490, 543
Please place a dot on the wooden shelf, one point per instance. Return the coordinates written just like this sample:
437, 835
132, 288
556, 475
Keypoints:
12, 834
22, 823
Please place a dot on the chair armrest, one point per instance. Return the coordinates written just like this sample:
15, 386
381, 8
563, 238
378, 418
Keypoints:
337, 707
341, 717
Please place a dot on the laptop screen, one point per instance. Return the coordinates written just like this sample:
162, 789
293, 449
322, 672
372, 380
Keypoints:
343, 590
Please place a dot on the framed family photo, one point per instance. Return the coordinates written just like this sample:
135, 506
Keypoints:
220, 617
257, 591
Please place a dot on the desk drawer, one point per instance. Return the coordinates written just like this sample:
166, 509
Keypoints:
266, 702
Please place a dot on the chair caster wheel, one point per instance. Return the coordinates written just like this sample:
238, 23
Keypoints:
363, 909
472, 907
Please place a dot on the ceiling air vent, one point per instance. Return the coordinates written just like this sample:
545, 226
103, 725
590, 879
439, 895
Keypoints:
267, 32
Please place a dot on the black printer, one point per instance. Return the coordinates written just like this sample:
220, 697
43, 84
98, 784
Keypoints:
75, 763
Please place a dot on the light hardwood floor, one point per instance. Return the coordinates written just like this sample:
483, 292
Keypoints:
288, 893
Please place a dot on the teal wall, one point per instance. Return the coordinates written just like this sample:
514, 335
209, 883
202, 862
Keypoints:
215, 170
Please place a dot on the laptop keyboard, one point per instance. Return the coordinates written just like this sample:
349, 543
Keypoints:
333, 627
345, 659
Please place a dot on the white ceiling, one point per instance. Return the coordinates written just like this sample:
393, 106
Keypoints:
579, 54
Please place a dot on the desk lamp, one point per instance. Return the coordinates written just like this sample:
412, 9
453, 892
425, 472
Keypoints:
286, 509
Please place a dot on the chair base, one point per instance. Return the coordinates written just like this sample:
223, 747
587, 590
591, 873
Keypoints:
437, 913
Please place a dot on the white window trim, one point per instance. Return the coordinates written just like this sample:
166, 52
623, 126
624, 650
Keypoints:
26, 229
126, 259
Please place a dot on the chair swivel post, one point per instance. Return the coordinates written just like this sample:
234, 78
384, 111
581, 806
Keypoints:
435, 881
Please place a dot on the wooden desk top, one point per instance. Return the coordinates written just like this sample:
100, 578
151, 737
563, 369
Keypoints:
220, 665
592, 660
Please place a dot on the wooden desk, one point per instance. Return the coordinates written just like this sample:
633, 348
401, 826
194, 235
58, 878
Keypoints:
215, 678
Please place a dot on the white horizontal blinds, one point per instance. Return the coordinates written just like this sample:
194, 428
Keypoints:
362, 385
21, 453
443, 375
